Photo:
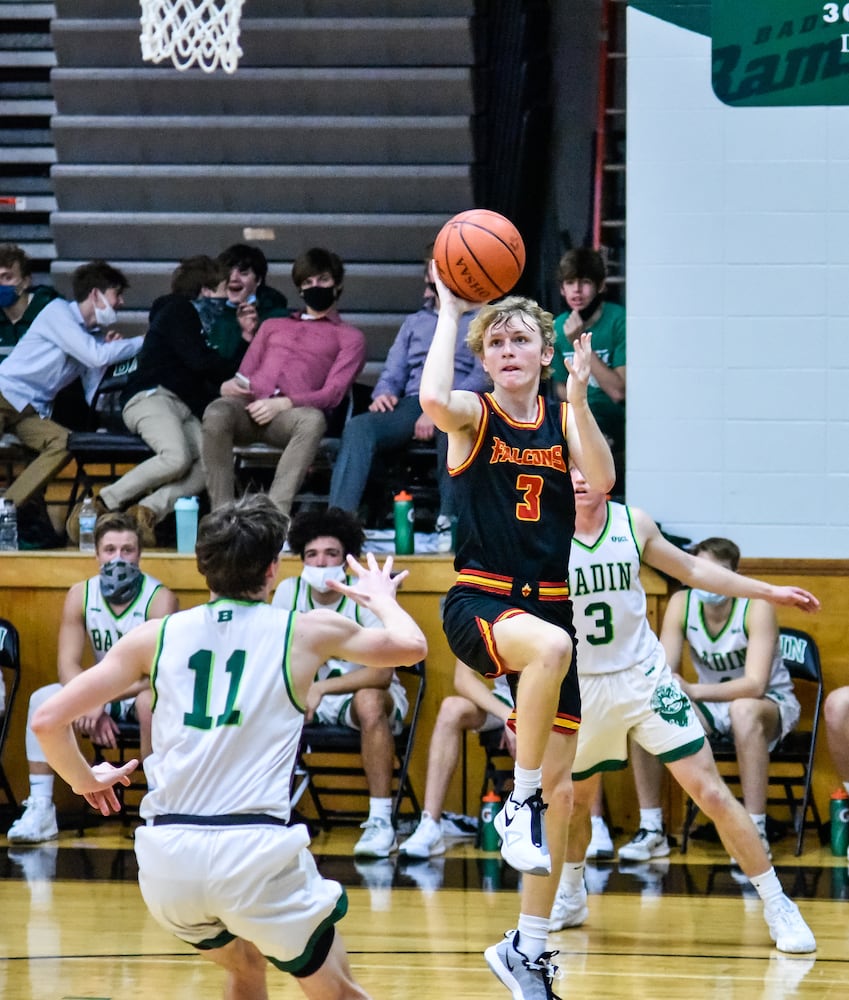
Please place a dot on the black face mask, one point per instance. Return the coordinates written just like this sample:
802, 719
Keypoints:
319, 298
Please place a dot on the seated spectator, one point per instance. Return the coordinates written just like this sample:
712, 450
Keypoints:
475, 707
20, 300
296, 370
743, 691
249, 300
178, 375
581, 274
368, 699
395, 417
102, 608
65, 340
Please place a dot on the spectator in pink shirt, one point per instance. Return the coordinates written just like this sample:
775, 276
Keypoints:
296, 371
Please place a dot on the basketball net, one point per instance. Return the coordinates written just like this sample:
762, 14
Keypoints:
192, 32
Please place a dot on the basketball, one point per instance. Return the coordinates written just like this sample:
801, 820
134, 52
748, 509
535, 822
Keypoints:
479, 255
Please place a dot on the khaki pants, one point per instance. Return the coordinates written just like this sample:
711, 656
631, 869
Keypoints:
297, 431
170, 428
49, 439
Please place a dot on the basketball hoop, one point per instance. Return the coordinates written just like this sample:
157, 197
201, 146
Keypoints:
192, 32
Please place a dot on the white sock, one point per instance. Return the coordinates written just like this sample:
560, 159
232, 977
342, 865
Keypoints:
846, 785
525, 782
759, 819
41, 786
598, 821
426, 818
768, 887
533, 932
572, 876
652, 819
380, 809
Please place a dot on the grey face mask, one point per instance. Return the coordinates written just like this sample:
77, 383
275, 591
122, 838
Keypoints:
706, 597
120, 581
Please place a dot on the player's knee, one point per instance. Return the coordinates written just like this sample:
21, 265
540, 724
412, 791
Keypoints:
837, 709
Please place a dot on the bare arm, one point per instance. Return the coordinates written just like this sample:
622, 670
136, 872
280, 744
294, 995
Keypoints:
456, 411
708, 575
322, 634
587, 445
127, 662
672, 630
72, 635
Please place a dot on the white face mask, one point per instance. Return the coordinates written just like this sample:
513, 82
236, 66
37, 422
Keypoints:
317, 576
706, 597
104, 315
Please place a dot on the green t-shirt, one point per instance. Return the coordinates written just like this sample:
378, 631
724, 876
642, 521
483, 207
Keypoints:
226, 332
11, 333
609, 344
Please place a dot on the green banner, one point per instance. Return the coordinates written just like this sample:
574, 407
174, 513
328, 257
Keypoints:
779, 53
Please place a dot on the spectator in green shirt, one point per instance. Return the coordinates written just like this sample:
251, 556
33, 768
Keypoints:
581, 275
249, 300
20, 300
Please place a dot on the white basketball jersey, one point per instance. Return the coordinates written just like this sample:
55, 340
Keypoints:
293, 594
722, 657
608, 599
225, 725
103, 626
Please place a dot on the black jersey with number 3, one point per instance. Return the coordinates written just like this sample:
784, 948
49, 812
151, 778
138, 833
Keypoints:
514, 495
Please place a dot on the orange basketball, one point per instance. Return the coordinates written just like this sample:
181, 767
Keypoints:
479, 255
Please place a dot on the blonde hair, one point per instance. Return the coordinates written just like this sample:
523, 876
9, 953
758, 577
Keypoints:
496, 314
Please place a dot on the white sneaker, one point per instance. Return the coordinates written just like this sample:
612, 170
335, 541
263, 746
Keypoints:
647, 844
425, 841
378, 840
522, 830
601, 846
787, 927
37, 824
570, 908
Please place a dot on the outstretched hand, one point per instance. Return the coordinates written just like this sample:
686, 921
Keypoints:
579, 365
104, 777
794, 597
372, 580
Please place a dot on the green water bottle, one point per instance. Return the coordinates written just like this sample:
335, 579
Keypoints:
404, 517
839, 823
488, 835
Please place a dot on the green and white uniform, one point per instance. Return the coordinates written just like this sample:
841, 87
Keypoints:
626, 684
293, 594
216, 860
722, 657
104, 628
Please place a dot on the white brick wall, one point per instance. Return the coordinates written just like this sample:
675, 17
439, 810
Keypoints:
738, 307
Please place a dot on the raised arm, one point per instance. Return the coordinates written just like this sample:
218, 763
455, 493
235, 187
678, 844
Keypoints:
708, 575
588, 447
453, 410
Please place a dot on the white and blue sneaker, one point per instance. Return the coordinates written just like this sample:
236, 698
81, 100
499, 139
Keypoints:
526, 979
521, 826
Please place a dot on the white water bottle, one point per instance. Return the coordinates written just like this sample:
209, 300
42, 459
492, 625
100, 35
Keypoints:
8, 525
88, 519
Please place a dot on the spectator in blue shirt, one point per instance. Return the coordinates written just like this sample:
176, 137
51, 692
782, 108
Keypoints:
395, 416
66, 340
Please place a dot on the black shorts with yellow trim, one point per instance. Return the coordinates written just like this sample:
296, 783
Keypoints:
471, 611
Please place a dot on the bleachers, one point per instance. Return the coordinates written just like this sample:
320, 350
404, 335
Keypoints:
345, 125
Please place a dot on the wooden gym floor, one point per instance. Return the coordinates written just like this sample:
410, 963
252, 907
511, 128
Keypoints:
75, 928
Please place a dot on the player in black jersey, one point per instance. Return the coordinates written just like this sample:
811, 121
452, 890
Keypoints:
509, 612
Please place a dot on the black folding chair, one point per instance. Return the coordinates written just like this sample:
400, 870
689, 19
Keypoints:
10, 671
